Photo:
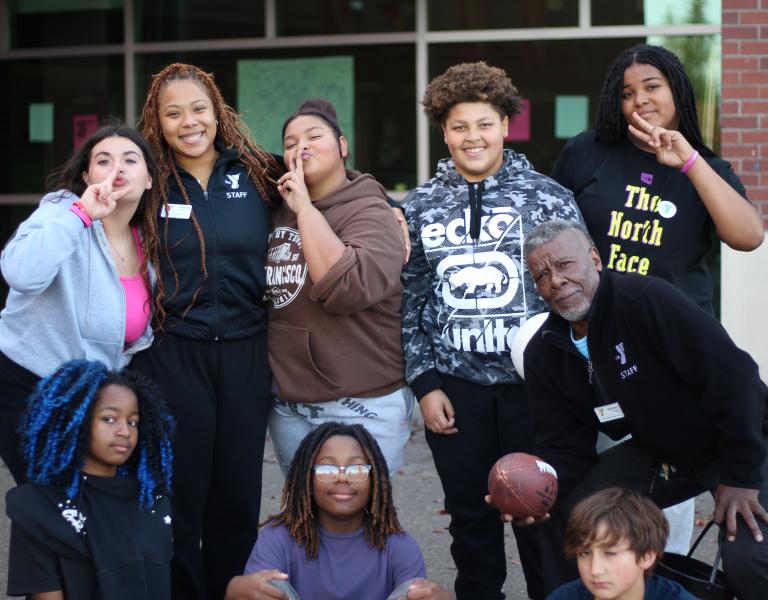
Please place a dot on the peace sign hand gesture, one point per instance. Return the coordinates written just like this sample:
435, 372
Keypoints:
100, 199
291, 186
671, 148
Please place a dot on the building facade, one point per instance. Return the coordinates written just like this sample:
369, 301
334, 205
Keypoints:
66, 65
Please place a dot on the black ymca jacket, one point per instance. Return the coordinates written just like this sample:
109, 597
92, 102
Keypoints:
234, 220
688, 394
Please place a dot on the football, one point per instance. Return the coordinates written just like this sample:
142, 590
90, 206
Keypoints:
522, 337
522, 485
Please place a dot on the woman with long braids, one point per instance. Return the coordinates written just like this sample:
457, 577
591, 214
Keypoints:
649, 188
337, 534
651, 191
79, 284
94, 520
206, 232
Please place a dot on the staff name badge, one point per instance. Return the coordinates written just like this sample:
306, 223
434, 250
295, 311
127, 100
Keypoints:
609, 412
177, 211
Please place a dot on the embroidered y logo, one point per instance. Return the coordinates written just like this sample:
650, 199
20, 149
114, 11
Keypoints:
622, 357
234, 181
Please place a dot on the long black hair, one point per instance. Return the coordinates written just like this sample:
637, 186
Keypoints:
610, 126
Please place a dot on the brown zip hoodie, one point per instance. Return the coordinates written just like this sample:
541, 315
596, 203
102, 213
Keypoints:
339, 336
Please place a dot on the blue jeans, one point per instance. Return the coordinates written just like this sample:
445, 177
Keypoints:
629, 465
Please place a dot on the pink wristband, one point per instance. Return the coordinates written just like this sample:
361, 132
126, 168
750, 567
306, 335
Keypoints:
78, 208
689, 163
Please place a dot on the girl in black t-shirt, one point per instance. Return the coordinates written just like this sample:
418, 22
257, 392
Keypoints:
651, 191
94, 521
649, 188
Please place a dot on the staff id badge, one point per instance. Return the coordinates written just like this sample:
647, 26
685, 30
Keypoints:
177, 211
609, 412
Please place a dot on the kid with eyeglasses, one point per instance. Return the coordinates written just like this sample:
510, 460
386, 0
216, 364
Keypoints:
337, 535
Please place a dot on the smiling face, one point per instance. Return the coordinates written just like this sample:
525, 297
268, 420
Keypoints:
312, 140
188, 121
474, 133
132, 167
114, 430
647, 92
565, 271
613, 571
341, 505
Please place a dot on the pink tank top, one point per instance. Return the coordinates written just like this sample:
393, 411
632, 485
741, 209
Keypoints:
137, 299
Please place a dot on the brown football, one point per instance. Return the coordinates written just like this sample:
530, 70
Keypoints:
522, 485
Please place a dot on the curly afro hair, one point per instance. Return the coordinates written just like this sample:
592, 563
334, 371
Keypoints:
470, 82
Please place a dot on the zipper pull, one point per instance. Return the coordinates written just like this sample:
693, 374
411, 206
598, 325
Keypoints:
589, 370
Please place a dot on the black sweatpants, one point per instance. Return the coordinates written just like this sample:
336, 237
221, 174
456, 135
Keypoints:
219, 393
16, 385
492, 421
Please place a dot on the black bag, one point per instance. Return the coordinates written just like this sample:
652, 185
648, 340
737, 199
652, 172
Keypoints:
700, 579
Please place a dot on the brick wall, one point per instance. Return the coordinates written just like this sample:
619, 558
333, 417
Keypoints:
744, 101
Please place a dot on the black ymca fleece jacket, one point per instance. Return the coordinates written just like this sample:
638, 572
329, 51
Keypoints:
688, 394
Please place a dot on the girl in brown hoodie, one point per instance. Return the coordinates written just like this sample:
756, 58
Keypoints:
333, 281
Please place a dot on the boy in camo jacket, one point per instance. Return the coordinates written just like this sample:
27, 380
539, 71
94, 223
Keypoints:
466, 292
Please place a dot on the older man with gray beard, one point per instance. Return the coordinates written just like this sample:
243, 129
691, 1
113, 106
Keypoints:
628, 354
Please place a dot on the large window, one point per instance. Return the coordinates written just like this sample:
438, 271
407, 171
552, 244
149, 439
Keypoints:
501, 14
324, 17
166, 20
556, 52
384, 116
37, 23
47, 106
654, 12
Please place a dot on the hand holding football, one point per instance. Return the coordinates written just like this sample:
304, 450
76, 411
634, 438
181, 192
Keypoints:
522, 485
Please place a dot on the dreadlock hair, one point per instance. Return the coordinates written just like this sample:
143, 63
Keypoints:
470, 82
298, 508
611, 127
56, 429
231, 132
70, 175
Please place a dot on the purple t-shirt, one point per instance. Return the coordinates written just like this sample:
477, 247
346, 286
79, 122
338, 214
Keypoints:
345, 567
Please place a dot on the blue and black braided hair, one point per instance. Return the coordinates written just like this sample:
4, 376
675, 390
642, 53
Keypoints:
55, 429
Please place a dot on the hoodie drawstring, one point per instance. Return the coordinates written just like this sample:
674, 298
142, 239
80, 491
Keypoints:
475, 208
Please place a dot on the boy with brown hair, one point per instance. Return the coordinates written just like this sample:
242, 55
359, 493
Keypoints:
617, 536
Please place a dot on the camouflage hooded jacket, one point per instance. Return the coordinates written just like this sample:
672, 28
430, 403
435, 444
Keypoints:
466, 286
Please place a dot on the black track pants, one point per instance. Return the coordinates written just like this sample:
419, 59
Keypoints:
219, 394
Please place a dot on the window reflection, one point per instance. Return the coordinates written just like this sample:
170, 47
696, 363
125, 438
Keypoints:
531, 66
322, 17
655, 12
33, 24
72, 88
170, 20
384, 117
499, 14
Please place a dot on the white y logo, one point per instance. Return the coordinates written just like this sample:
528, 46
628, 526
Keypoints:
622, 357
234, 181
